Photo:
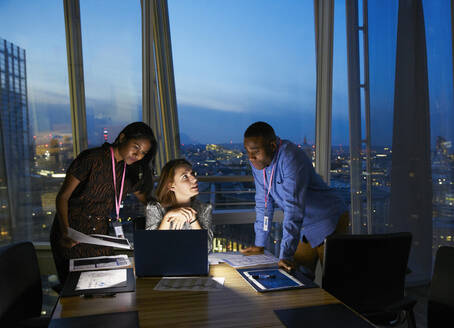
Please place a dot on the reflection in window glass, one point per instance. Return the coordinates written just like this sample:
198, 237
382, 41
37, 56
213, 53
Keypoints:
382, 29
236, 63
437, 15
112, 50
35, 123
340, 150
382, 19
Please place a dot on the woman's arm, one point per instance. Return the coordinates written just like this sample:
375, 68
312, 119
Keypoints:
165, 224
175, 219
66, 190
206, 222
153, 216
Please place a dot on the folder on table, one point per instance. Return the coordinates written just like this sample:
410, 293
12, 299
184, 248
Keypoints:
272, 279
69, 289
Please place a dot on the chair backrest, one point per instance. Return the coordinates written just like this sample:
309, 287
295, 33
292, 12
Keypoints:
440, 307
139, 223
366, 272
20, 283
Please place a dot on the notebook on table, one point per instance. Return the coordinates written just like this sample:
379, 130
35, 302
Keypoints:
70, 287
171, 253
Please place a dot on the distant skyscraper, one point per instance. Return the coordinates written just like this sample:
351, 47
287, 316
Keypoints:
15, 147
442, 146
307, 148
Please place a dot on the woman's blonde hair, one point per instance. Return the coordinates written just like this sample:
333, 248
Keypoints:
163, 193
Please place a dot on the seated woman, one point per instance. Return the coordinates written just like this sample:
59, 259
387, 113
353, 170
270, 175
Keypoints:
176, 207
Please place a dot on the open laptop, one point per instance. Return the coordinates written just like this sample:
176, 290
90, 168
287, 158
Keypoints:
171, 252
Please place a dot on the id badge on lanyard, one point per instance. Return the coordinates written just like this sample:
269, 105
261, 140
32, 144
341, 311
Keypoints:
265, 223
118, 228
116, 223
267, 192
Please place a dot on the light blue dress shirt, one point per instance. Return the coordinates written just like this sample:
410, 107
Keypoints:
311, 208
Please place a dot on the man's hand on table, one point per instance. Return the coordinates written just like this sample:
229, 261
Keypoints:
287, 265
253, 250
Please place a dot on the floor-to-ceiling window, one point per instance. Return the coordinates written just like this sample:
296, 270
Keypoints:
236, 63
340, 150
437, 16
35, 121
112, 58
382, 30
385, 18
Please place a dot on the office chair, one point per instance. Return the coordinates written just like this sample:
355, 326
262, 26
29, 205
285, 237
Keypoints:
367, 272
20, 287
139, 223
440, 307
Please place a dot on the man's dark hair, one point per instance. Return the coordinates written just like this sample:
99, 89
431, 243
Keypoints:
260, 129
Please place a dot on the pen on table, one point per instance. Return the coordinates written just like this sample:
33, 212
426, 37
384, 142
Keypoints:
98, 295
263, 276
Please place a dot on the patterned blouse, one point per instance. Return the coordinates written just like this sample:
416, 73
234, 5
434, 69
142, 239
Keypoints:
92, 201
155, 212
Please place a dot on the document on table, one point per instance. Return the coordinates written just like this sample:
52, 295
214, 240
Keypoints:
238, 260
216, 258
99, 263
102, 279
191, 283
101, 240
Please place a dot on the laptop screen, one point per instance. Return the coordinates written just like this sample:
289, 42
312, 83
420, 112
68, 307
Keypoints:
170, 252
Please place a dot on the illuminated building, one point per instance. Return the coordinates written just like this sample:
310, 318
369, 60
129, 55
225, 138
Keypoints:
15, 147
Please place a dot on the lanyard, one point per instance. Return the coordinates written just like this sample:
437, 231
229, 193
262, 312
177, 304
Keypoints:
117, 200
267, 193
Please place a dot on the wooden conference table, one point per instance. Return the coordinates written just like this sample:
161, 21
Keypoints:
237, 305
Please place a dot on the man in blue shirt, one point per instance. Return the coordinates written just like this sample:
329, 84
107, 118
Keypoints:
284, 176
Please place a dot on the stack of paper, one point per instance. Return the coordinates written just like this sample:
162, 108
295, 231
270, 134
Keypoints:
102, 279
99, 263
102, 240
191, 283
238, 260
